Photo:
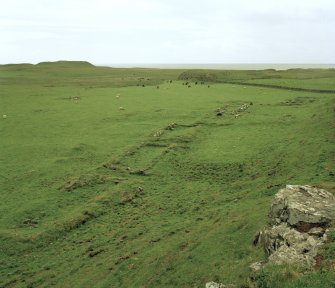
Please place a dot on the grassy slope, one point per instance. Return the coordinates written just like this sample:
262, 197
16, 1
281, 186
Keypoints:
72, 213
321, 83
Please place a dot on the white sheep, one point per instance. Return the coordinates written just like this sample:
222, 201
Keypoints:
4, 116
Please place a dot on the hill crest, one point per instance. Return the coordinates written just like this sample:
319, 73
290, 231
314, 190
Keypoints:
65, 63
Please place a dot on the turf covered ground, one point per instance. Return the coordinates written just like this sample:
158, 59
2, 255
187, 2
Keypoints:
129, 178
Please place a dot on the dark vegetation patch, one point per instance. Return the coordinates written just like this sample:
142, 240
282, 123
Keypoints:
130, 196
298, 101
83, 181
222, 173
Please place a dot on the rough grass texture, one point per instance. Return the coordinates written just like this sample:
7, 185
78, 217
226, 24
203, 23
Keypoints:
162, 192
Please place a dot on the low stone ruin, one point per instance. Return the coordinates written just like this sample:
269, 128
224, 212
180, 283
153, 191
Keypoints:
237, 112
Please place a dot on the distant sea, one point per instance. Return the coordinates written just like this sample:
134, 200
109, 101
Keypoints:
224, 66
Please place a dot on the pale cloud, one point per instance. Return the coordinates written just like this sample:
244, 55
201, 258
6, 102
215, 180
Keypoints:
171, 31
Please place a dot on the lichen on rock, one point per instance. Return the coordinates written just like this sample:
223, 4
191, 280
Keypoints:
300, 205
298, 217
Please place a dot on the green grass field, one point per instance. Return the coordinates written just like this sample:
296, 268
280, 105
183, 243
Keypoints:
129, 178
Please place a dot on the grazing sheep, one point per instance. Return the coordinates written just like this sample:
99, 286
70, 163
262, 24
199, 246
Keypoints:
4, 116
121, 108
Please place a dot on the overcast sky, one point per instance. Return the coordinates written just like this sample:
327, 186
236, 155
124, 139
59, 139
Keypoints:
168, 31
